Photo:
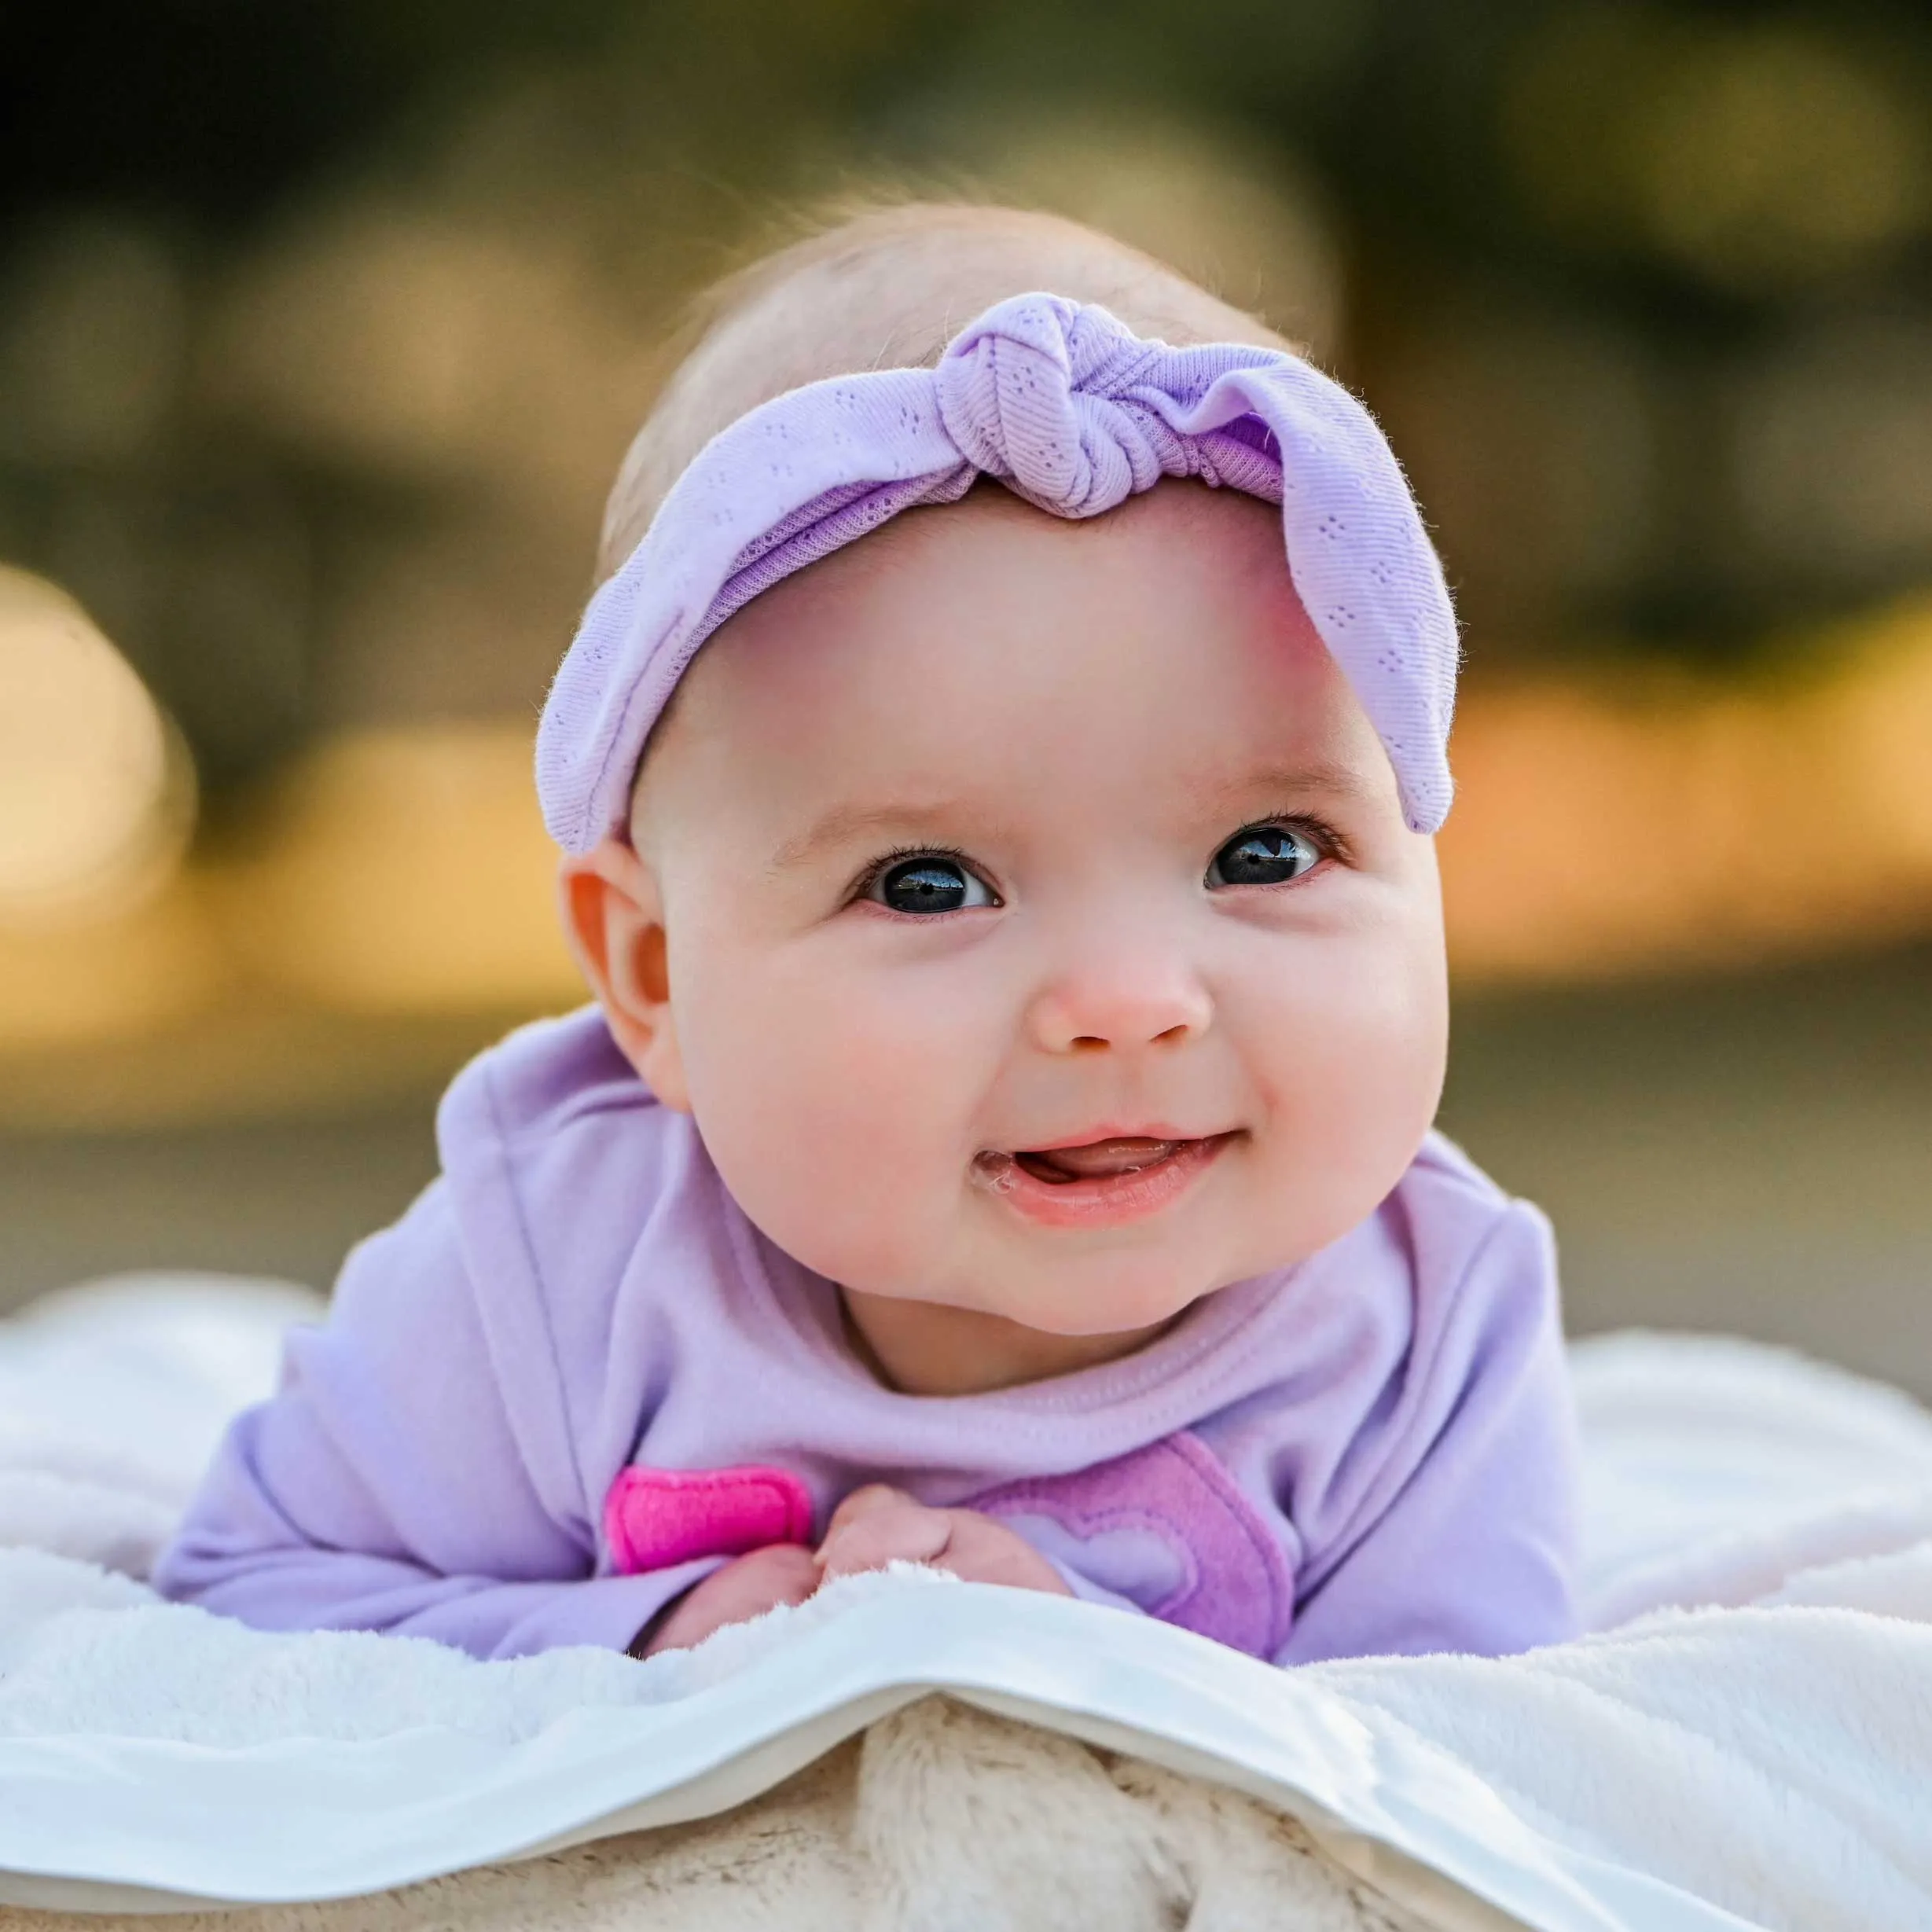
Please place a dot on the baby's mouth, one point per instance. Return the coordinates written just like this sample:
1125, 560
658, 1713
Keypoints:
1096, 1160
1099, 1183
1092, 1162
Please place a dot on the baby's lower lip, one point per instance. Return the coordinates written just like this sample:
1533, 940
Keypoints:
1023, 1181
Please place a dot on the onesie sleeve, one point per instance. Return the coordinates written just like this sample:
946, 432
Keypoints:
1471, 1547
409, 1477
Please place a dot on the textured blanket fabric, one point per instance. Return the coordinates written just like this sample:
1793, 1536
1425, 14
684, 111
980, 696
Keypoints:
1767, 1762
938, 1818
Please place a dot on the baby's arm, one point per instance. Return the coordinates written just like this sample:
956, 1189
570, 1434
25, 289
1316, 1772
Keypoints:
1476, 1551
415, 1474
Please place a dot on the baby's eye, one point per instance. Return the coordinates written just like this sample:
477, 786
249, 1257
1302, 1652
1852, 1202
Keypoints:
1264, 855
930, 883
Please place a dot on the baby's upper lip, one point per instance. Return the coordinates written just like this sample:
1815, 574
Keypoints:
1089, 1136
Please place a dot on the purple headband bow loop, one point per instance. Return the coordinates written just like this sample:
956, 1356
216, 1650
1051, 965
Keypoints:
1070, 410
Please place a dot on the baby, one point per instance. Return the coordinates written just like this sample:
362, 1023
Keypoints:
1001, 1140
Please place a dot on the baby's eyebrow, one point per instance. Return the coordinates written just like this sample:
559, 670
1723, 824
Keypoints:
1277, 784
1316, 777
844, 822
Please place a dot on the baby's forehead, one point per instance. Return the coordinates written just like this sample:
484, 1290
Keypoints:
950, 584
987, 653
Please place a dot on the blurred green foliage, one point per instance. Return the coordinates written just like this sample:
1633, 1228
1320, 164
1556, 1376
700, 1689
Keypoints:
1643, 291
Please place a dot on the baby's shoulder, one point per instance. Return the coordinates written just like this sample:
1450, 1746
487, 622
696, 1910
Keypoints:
547, 1076
1443, 1174
1466, 1234
555, 1091
552, 1143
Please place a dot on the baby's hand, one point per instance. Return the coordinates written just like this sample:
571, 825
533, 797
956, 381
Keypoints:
880, 1525
746, 1587
872, 1527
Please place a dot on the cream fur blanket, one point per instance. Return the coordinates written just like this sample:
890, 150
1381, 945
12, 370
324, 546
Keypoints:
1763, 1762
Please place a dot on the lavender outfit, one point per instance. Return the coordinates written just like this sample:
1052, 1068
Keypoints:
574, 1379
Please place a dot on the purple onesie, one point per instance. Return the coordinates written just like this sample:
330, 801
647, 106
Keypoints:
574, 1379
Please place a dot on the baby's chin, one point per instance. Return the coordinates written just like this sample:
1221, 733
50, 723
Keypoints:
1077, 1303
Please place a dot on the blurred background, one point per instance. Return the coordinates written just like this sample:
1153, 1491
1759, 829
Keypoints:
322, 329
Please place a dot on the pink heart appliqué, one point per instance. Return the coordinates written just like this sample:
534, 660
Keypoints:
654, 1518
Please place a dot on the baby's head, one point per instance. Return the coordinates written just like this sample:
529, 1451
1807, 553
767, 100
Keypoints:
1026, 908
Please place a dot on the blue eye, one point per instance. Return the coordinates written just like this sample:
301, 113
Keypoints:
1264, 855
930, 883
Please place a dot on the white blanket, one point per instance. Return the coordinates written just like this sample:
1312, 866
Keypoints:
1764, 1765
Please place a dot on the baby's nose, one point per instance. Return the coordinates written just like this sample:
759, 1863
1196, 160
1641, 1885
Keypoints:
1120, 1004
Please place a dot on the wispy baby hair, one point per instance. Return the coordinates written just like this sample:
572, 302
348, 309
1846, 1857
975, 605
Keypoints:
886, 287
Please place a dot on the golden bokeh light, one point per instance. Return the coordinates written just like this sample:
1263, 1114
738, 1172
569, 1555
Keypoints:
1647, 825
405, 870
96, 789
107, 981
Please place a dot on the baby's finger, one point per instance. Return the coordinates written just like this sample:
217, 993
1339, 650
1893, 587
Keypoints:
984, 1551
863, 1501
903, 1532
747, 1587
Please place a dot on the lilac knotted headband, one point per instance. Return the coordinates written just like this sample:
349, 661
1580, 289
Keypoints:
1072, 410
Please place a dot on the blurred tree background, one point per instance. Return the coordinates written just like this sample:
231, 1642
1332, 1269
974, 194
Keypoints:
322, 329
293, 292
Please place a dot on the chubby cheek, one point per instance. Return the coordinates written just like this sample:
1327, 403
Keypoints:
1347, 1058
835, 1106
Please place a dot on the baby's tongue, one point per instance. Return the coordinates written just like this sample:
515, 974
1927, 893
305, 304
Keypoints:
1098, 1158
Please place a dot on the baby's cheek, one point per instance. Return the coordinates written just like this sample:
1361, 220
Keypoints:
837, 1124
1348, 1055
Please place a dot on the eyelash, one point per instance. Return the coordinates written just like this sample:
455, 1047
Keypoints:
1326, 839
1332, 844
1330, 841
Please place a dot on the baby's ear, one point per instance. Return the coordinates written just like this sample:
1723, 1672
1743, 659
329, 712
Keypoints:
614, 917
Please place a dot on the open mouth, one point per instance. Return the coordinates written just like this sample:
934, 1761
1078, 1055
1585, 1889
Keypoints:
1097, 1160
1120, 1178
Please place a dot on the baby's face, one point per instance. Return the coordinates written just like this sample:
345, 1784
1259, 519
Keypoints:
1044, 936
